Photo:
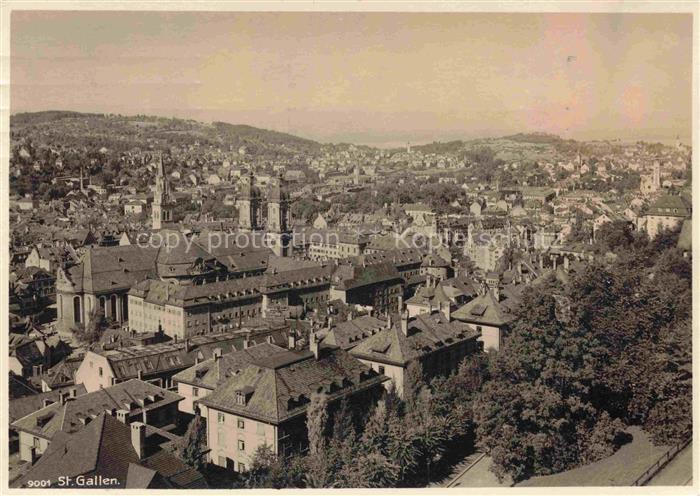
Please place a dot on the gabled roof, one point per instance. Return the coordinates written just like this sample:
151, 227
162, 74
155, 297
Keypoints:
175, 356
112, 268
212, 372
397, 256
348, 276
670, 206
63, 372
349, 333
432, 260
426, 334
484, 309
279, 387
76, 413
104, 448
21, 407
429, 295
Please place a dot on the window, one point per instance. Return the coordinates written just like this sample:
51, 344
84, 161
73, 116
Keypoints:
241, 467
195, 392
381, 369
241, 445
221, 417
99, 371
241, 424
222, 461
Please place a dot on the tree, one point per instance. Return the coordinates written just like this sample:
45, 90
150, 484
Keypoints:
316, 417
193, 444
669, 418
92, 332
317, 474
535, 411
267, 470
413, 384
616, 236
371, 469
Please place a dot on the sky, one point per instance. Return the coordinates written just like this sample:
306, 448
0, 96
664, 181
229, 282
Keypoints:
375, 78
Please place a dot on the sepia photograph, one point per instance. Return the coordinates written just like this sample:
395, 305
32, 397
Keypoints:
337, 246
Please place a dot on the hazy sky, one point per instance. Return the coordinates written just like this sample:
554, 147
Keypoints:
372, 78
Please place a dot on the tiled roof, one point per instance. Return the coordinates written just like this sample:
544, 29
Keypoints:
350, 333
280, 386
670, 206
432, 260
349, 276
76, 413
172, 356
28, 353
162, 292
104, 448
212, 372
63, 372
21, 407
177, 254
426, 334
175, 472
484, 309
398, 257
112, 268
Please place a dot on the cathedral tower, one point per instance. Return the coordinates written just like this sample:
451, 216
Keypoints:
161, 212
249, 204
279, 218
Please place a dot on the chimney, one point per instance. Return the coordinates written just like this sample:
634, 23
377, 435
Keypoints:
73, 392
187, 345
314, 345
217, 352
400, 303
495, 291
123, 416
246, 343
292, 344
388, 321
349, 315
138, 438
404, 323
139, 374
62, 397
445, 309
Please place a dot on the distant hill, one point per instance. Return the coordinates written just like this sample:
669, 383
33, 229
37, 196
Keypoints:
538, 138
244, 133
30, 118
118, 132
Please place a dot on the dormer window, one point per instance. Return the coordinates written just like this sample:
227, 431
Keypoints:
243, 395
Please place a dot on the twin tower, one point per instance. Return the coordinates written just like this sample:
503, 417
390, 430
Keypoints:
276, 228
278, 225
